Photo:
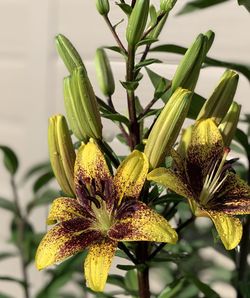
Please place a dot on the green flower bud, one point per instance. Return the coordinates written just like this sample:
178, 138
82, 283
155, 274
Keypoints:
229, 123
68, 53
104, 73
187, 73
219, 102
62, 153
137, 22
167, 5
167, 127
102, 6
185, 140
81, 106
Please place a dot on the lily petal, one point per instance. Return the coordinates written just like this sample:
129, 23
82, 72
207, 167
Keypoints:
97, 264
90, 168
63, 209
235, 198
135, 221
171, 180
229, 228
131, 175
205, 147
63, 241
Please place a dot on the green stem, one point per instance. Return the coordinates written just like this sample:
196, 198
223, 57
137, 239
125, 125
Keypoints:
134, 126
20, 237
109, 152
143, 273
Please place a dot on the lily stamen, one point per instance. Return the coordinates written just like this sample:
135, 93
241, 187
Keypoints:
212, 182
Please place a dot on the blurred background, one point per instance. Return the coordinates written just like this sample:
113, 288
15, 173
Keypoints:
31, 79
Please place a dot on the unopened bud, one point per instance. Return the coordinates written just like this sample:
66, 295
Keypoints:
167, 5
137, 22
229, 123
219, 102
81, 106
68, 53
62, 153
187, 73
167, 127
102, 6
104, 73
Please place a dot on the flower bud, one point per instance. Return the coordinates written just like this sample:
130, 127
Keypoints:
104, 73
167, 5
102, 6
219, 102
229, 123
62, 153
167, 127
187, 73
137, 22
82, 106
68, 53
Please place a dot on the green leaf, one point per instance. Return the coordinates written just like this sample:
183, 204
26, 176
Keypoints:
146, 63
176, 49
131, 281
245, 3
204, 288
199, 4
116, 117
116, 280
5, 255
146, 41
130, 86
242, 138
116, 49
7, 205
45, 198
125, 8
10, 159
4, 296
41, 167
42, 180
13, 279
126, 267
173, 289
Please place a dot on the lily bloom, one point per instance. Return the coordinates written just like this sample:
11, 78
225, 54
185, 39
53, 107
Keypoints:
207, 180
106, 210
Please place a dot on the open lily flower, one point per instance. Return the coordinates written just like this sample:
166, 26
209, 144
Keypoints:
208, 181
107, 210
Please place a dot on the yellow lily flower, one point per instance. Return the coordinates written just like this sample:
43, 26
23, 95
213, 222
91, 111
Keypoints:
207, 180
107, 210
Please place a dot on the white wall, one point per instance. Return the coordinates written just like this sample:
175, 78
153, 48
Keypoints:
31, 73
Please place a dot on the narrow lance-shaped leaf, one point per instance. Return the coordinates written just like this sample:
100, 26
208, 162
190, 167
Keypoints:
10, 159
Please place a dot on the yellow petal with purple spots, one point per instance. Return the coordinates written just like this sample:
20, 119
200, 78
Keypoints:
170, 180
63, 209
97, 264
63, 241
228, 227
138, 222
131, 175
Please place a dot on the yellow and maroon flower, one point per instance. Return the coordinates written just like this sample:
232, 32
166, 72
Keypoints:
107, 210
207, 180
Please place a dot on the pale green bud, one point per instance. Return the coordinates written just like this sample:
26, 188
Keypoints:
229, 123
167, 127
187, 73
81, 106
102, 6
68, 53
62, 153
137, 22
167, 5
104, 73
219, 102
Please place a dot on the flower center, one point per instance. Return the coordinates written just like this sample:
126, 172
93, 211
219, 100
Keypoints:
213, 180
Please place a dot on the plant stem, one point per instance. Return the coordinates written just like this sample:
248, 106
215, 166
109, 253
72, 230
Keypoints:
124, 248
20, 238
134, 127
179, 228
143, 273
116, 37
160, 16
